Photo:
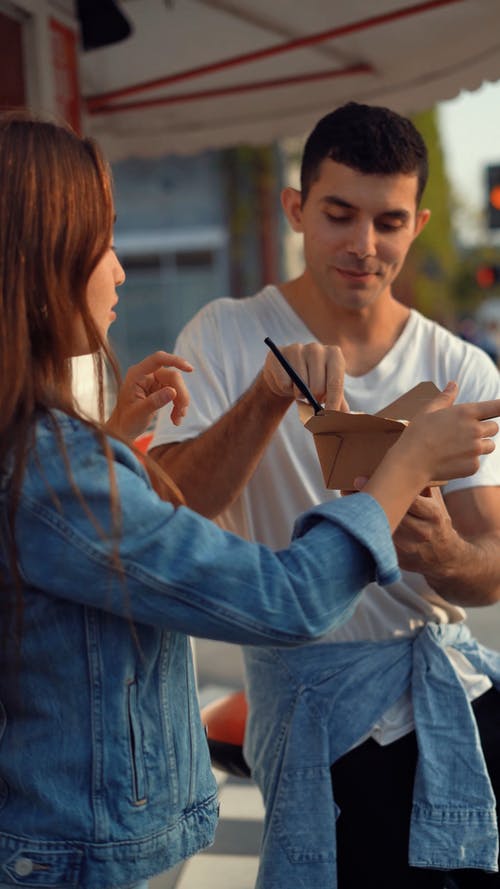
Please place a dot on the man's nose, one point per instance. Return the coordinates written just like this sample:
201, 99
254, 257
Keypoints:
362, 241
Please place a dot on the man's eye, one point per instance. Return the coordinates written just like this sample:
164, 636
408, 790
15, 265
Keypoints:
390, 225
340, 219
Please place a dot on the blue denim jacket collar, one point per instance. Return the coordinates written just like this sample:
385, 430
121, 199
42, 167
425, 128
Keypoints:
317, 712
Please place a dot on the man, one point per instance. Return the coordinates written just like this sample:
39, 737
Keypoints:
385, 700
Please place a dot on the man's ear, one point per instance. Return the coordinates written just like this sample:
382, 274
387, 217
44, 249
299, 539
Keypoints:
421, 221
292, 205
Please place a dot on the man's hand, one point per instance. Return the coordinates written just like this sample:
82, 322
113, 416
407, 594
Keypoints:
455, 544
148, 386
426, 537
321, 368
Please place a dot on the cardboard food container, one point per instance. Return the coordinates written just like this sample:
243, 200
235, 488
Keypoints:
352, 445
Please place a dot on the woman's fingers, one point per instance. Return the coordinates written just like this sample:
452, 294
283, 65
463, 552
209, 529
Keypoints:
170, 379
484, 410
157, 360
149, 385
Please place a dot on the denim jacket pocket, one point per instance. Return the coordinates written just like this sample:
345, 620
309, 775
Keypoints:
36, 865
4, 790
136, 758
304, 840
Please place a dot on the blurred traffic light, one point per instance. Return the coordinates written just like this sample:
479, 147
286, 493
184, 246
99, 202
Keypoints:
493, 196
488, 275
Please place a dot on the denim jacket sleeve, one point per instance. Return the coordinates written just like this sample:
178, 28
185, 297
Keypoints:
180, 570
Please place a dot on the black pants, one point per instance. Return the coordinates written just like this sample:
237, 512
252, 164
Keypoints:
373, 787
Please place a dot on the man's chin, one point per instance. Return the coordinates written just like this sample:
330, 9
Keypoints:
356, 300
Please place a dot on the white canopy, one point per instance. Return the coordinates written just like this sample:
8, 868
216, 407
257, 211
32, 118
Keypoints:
198, 74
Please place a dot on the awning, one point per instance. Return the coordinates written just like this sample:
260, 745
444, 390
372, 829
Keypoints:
198, 74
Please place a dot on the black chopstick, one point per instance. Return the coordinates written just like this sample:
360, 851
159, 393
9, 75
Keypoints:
299, 382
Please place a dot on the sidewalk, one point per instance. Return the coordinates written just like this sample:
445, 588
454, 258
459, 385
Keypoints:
231, 863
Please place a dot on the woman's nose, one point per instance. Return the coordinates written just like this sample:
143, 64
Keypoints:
120, 275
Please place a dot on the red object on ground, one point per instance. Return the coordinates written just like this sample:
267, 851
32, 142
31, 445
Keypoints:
225, 718
142, 441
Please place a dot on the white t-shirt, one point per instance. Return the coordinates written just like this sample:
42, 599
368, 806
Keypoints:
225, 343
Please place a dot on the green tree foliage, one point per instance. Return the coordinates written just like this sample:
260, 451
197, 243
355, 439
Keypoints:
253, 178
428, 278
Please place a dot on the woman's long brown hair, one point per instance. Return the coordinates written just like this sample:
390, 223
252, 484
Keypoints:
56, 222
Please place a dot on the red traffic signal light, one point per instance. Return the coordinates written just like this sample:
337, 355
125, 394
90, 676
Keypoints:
493, 196
487, 275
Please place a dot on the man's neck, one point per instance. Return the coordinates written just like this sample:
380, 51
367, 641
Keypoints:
365, 336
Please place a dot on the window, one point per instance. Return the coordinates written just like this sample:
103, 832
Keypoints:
163, 290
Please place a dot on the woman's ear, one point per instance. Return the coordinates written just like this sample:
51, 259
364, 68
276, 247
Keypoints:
291, 201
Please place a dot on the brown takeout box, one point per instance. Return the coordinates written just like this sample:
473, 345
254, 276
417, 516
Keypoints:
352, 445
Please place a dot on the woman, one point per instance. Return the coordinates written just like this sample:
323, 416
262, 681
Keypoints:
104, 772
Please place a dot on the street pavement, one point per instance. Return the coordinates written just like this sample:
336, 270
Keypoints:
231, 863
485, 625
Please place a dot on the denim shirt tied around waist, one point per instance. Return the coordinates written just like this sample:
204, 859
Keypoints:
105, 774
307, 710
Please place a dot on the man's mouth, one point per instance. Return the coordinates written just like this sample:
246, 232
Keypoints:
356, 273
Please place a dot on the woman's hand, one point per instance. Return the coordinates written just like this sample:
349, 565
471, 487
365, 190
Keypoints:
147, 387
442, 442
448, 439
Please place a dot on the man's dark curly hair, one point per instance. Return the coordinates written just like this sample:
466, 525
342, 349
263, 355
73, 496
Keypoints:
368, 138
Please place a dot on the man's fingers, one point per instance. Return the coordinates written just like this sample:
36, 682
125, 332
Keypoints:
322, 370
423, 507
320, 367
309, 361
335, 370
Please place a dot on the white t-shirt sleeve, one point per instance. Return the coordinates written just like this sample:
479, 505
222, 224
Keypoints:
479, 380
200, 343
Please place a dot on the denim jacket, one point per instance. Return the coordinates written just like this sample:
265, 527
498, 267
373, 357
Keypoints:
310, 705
104, 769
